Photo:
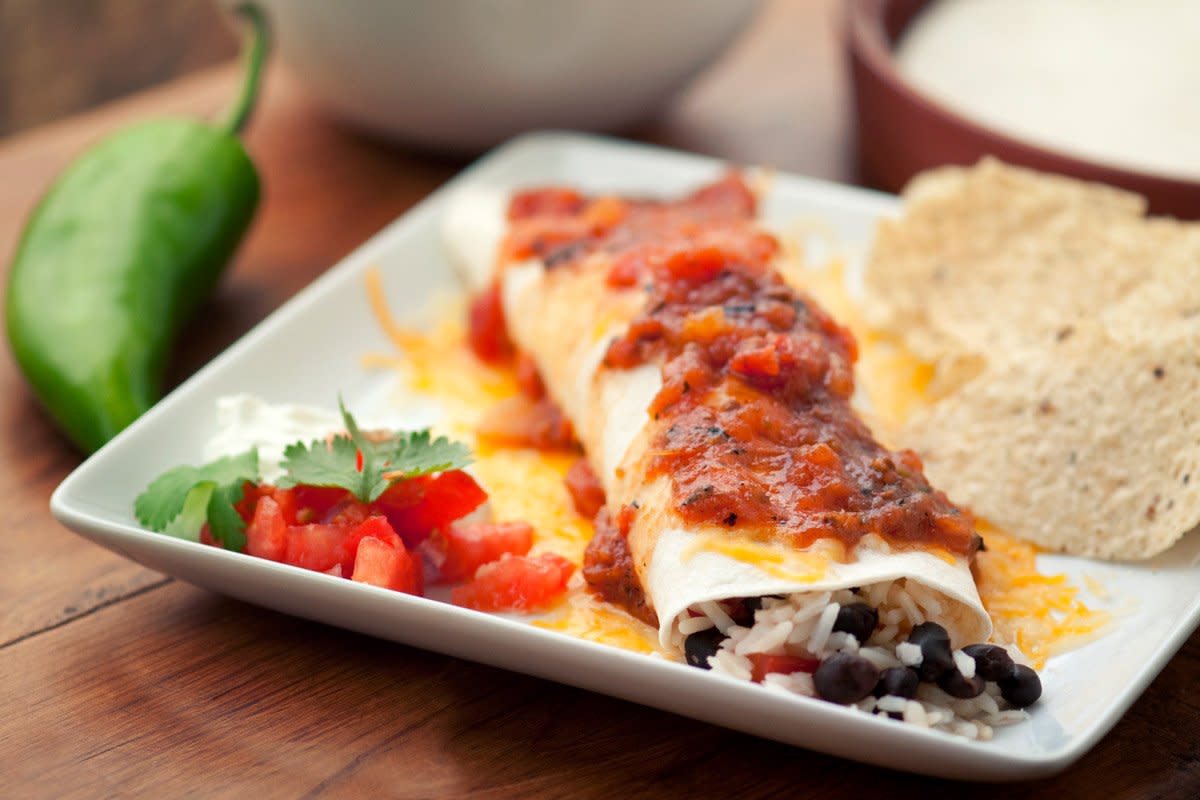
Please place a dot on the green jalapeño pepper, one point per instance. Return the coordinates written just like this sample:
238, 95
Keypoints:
121, 251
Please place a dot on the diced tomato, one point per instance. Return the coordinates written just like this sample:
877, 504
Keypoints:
321, 546
314, 502
348, 512
757, 358
284, 498
486, 330
315, 546
388, 565
625, 518
468, 546
552, 201
266, 535
417, 507
685, 374
730, 195
585, 489
516, 583
605, 213
375, 527
250, 495
528, 377
521, 422
695, 265
763, 664
626, 270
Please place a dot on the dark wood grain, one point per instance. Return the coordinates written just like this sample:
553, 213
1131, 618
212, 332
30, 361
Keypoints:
116, 681
63, 57
181, 689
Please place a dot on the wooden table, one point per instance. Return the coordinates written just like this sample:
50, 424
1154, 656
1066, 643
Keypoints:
116, 680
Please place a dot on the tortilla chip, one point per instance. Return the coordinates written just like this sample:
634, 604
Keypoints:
991, 243
1064, 331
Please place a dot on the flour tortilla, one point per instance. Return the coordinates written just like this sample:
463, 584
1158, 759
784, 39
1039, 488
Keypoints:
1064, 328
565, 319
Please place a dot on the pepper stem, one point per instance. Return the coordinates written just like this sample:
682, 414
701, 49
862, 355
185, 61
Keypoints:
254, 55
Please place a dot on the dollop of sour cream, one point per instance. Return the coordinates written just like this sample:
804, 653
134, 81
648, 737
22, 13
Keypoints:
245, 421
1112, 81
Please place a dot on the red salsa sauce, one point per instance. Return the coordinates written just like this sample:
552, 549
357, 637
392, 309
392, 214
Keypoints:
755, 428
609, 569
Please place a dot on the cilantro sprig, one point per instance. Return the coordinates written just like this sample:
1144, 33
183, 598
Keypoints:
181, 500
368, 465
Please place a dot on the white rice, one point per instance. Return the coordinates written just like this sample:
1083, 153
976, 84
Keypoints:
965, 664
880, 657
824, 627
768, 638
891, 702
802, 625
909, 654
713, 611
910, 607
841, 642
884, 635
731, 664
691, 625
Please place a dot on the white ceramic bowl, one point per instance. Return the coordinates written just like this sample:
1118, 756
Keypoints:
466, 74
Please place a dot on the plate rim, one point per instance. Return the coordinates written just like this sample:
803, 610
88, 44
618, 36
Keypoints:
67, 507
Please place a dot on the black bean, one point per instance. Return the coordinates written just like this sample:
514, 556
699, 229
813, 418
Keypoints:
749, 606
1022, 687
898, 681
992, 662
955, 684
934, 642
845, 678
858, 620
700, 645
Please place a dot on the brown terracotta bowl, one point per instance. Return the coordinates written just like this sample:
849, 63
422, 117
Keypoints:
902, 132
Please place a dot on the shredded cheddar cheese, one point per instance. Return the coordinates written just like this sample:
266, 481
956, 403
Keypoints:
522, 483
587, 617
439, 364
777, 561
1041, 614
528, 484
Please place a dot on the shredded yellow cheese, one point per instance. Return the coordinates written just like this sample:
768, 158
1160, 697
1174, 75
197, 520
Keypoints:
587, 617
528, 484
439, 364
775, 560
1042, 614
522, 483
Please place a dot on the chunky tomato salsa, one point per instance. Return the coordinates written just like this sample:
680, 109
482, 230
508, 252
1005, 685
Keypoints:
754, 426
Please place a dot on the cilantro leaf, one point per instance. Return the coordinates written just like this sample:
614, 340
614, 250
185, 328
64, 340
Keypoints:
182, 499
419, 453
323, 463
188, 522
224, 522
368, 465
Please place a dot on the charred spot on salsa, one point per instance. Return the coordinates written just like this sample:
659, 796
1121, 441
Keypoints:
754, 426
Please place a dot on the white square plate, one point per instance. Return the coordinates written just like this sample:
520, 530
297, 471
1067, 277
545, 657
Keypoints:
329, 325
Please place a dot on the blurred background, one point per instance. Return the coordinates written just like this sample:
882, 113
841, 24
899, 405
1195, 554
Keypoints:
64, 56
877, 90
